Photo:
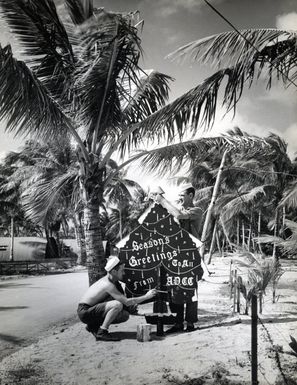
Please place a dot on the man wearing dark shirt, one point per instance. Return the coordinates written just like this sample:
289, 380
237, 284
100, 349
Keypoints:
190, 218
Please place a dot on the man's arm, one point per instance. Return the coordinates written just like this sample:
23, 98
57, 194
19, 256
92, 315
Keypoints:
178, 214
113, 291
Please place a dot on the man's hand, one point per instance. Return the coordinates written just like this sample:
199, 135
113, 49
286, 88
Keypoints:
151, 293
156, 197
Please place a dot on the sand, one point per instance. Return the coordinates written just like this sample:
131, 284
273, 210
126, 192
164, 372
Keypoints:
218, 352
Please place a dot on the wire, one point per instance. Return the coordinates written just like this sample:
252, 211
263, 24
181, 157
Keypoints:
247, 40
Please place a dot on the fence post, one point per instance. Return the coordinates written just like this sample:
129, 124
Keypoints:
254, 340
231, 278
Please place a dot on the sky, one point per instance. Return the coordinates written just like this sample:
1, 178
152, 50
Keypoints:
169, 24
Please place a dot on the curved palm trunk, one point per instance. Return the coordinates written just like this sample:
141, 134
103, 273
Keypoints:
94, 245
225, 233
212, 245
259, 231
211, 205
274, 255
238, 233
243, 235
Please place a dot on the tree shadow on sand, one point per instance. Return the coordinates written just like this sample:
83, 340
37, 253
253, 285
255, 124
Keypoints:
273, 320
11, 339
133, 336
13, 285
7, 308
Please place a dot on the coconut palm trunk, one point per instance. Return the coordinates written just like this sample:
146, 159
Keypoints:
243, 235
275, 233
11, 256
94, 242
225, 233
211, 205
259, 231
212, 245
274, 255
238, 232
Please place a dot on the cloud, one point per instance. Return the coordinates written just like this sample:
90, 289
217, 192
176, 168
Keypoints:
287, 21
168, 8
280, 94
290, 135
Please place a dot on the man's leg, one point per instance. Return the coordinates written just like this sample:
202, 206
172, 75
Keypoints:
179, 318
114, 314
191, 315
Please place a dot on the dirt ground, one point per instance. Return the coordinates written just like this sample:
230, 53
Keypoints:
218, 352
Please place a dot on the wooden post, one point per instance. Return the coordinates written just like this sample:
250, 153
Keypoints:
254, 340
160, 302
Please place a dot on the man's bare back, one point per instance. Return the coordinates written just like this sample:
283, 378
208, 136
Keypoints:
99, 292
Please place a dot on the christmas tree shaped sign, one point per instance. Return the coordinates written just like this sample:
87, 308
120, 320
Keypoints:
160, 254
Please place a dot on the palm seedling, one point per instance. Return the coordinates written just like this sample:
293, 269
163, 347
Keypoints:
257, 273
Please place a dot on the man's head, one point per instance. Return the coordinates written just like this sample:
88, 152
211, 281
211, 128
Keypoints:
186, 195
115, 267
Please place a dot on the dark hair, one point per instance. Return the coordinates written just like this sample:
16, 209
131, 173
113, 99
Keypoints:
118, 265
190, 190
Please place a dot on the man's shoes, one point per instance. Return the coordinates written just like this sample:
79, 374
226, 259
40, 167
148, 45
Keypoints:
103, 335
177, 328
91, 330
190, 328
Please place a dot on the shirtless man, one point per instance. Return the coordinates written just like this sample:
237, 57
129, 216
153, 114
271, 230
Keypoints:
104, 301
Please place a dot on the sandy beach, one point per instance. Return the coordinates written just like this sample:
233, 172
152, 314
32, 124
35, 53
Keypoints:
218, 352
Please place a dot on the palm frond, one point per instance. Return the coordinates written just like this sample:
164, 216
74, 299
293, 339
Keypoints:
25, 102
245, 57
42, 196
44, 40
292, 226
261, 271
289, 199
172, 157
245, 47
110, 51
243, 202
147, 95
79, 10
269, 239
195, 108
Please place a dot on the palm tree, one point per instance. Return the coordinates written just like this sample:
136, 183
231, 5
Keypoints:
84, 81
12, 217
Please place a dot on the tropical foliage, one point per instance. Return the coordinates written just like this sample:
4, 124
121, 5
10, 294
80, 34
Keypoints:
255, 274
83, 80
78, 87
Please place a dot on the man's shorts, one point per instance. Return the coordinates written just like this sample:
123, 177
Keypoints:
95, 315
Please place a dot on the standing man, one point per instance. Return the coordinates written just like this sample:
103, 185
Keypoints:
190, 218
105, 303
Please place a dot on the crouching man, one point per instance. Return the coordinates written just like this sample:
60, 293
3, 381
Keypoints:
105, 303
